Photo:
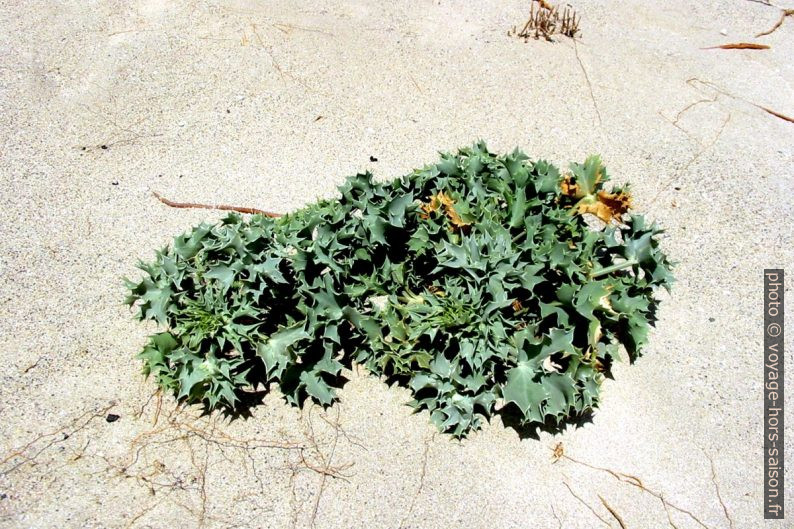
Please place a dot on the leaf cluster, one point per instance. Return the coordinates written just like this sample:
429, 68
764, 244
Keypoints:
477, 282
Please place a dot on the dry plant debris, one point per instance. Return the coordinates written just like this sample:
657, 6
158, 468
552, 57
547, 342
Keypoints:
222, 207
739, 46
613, 512
547, 20
783, 14
776, 114
636, 482
175, 460
604, 205
694, 82
439, 200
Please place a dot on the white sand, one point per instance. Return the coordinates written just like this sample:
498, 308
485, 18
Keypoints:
217, 102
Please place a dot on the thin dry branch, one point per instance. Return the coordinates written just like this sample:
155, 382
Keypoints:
776, 114
691, 82
669, 517
31, 366
61, 434
193, 205
327, 470
690, 106
173, 461
585, 503
783, 14
636, 482
319, 463
717, 489
428, 441
337, 426
613, 512
587, 79
697, 155
556, 516
679, 115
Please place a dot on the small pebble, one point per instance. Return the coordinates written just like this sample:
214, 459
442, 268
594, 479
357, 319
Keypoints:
723, 32
112, 417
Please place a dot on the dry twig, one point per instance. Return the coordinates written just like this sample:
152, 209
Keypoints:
717, 489
783, 14
193, 205
636, 482
776, 114
585, 503
547, 20
428, 441
61, 434
613, 512
691, 82
587, 79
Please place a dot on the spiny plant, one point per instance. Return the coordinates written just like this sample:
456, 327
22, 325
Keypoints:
477, 282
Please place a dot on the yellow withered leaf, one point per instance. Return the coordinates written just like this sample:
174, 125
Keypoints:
439, 200
605, 206
558, 452
569, 187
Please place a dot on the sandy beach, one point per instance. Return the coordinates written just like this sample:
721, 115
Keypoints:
271, 105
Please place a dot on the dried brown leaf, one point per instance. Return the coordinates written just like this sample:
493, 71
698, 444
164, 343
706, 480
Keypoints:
558, 452
568, 186
605, 206
739, 46
608, 206
442, 200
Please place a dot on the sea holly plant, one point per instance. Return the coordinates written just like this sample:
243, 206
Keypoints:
482, 283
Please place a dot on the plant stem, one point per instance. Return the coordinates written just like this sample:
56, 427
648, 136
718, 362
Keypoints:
613, 268
239, 209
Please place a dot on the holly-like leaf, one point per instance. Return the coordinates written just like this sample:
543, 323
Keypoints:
317, 388
560, 389
524, 392
275, 352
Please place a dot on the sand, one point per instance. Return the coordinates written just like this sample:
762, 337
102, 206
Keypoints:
270, 105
